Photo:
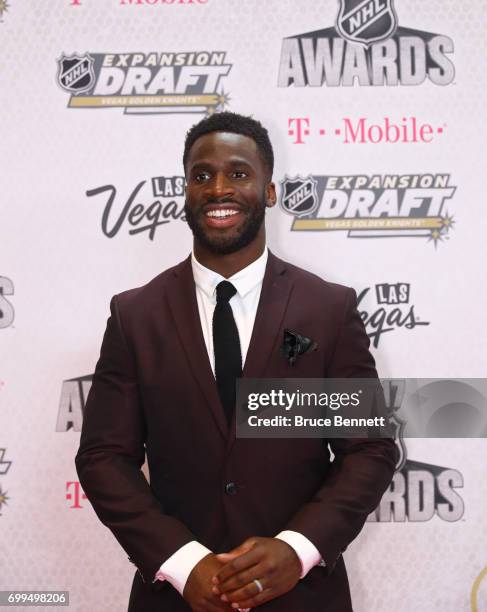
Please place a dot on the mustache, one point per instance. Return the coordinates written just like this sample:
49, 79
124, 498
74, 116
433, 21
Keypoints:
222, 200
212, 201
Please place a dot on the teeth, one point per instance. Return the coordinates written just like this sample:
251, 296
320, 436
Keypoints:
222, 213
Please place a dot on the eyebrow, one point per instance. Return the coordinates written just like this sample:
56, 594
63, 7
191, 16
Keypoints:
233, 161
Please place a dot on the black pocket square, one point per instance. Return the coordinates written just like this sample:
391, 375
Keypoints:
294, 344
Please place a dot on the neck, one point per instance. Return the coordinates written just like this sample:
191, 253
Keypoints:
228, 265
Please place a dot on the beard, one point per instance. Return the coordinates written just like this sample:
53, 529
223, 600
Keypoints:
227, 244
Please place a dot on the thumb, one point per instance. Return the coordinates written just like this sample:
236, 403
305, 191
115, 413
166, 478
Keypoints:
236, 552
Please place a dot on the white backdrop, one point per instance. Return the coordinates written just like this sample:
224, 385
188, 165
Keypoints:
58, 268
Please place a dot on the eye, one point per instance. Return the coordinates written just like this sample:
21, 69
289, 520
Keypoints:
201, 177
239, 174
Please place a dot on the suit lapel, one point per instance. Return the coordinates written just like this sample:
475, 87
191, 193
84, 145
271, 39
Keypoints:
274, 298
184, 308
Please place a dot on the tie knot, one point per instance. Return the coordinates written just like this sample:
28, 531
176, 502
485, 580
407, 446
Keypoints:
224, 291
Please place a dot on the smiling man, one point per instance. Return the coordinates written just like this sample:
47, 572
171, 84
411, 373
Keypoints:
227, 523
229, 187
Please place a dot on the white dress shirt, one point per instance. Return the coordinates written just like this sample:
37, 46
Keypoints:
248, 283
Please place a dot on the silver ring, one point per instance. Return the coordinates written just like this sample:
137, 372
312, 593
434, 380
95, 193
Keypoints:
259, 585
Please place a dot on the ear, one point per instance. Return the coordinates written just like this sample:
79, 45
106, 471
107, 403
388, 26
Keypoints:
271, 197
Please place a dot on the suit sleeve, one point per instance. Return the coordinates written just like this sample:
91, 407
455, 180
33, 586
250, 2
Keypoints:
362, 468
111, 454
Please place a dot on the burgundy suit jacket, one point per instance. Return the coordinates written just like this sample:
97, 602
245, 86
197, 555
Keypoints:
154, 392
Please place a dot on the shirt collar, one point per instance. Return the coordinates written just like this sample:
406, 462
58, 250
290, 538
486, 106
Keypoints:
244, 281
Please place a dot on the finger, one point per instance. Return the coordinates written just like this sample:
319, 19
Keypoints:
209, 606
254, 601
215, 605
241, 579
243, 562
249, 590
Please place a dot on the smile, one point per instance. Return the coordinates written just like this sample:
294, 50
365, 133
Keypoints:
223, 213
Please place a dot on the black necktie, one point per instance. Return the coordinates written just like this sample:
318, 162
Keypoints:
226, 345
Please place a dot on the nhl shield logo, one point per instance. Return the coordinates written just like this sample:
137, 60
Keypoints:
76, 73
366, 21
299, 196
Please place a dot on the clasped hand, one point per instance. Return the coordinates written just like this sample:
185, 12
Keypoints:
227, 581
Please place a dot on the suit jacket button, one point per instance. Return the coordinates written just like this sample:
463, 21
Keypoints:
231, 488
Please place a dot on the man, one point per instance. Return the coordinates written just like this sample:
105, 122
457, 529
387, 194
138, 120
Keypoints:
227, 523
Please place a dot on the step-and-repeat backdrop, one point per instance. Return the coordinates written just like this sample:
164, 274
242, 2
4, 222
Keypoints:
377, 114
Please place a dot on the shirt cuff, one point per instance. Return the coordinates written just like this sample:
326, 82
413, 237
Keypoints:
179, 566
307, 552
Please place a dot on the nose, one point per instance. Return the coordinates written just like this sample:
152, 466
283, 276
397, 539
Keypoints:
220, 186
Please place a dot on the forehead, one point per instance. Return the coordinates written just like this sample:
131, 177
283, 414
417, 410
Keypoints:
219, 147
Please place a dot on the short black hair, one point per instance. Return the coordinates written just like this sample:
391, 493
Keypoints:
236, 124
